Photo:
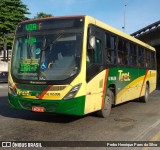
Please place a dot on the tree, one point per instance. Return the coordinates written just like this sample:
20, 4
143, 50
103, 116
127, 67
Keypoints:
42, 15
11, 13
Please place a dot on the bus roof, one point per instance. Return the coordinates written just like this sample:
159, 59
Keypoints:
105, 26
57, 17
91, 20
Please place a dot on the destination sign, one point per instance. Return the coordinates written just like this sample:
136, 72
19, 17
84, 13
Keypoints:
52, 23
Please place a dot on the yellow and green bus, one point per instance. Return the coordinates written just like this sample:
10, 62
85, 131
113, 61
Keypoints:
77, 65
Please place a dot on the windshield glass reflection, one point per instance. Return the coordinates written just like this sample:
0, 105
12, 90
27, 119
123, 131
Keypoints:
47, 57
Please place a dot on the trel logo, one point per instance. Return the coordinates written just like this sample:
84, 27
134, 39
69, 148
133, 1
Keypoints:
123, 76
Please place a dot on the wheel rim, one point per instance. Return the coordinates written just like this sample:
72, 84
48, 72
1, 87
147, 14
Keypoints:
107, 103
146, 94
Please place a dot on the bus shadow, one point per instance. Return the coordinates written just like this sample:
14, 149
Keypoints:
158, 87
137, 100
7, 111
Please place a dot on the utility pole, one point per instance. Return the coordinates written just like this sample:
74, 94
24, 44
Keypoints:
124, 25
4, 47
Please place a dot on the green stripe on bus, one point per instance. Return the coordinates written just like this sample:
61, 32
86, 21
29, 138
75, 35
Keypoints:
121, 77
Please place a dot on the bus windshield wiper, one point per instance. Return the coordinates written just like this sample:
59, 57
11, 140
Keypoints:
44, 47
52, 42
29, 46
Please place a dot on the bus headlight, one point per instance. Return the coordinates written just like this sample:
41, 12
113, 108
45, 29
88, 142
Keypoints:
72, 92
11, 90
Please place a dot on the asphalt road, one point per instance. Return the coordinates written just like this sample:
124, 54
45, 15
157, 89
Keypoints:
132, 121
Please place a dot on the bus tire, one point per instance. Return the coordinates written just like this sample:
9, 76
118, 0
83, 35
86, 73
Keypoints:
145, 98
105, 111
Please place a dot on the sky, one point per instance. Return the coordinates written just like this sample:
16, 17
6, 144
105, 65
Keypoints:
137, 13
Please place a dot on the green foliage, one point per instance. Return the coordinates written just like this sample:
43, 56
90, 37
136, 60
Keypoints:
11, 13
42, 15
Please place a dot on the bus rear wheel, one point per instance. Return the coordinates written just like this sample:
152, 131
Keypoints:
145, 98
105, 111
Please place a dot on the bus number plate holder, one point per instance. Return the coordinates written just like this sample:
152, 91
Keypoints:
37, 109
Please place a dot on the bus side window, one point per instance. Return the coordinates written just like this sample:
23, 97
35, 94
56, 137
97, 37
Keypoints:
113, 49
147, 58
94, 60
110, 49
120, 51
126, 53
107, 51
123, 48
140, 57
152, 60
94, 56
98, 52
133, 55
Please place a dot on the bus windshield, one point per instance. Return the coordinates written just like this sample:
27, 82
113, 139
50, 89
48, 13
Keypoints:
46, 56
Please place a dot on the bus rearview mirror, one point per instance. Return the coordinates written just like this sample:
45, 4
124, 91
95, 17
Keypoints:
92, 42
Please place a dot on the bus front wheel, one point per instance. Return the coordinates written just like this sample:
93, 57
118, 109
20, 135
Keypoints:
145, 98
105, 111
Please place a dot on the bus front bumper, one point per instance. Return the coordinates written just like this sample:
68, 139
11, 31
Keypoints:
73, 106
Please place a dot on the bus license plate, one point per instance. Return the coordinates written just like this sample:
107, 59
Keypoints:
37, 109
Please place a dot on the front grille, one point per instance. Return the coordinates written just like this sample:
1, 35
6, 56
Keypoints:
57, 88
32, 87
48, 106
39, 87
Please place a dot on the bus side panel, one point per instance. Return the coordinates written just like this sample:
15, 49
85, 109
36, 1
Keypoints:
94, 94
148, 77
130, 82
126, 83
143, 78
153, 80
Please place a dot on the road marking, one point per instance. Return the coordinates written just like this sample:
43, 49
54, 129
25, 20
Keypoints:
140, 136
154, 138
